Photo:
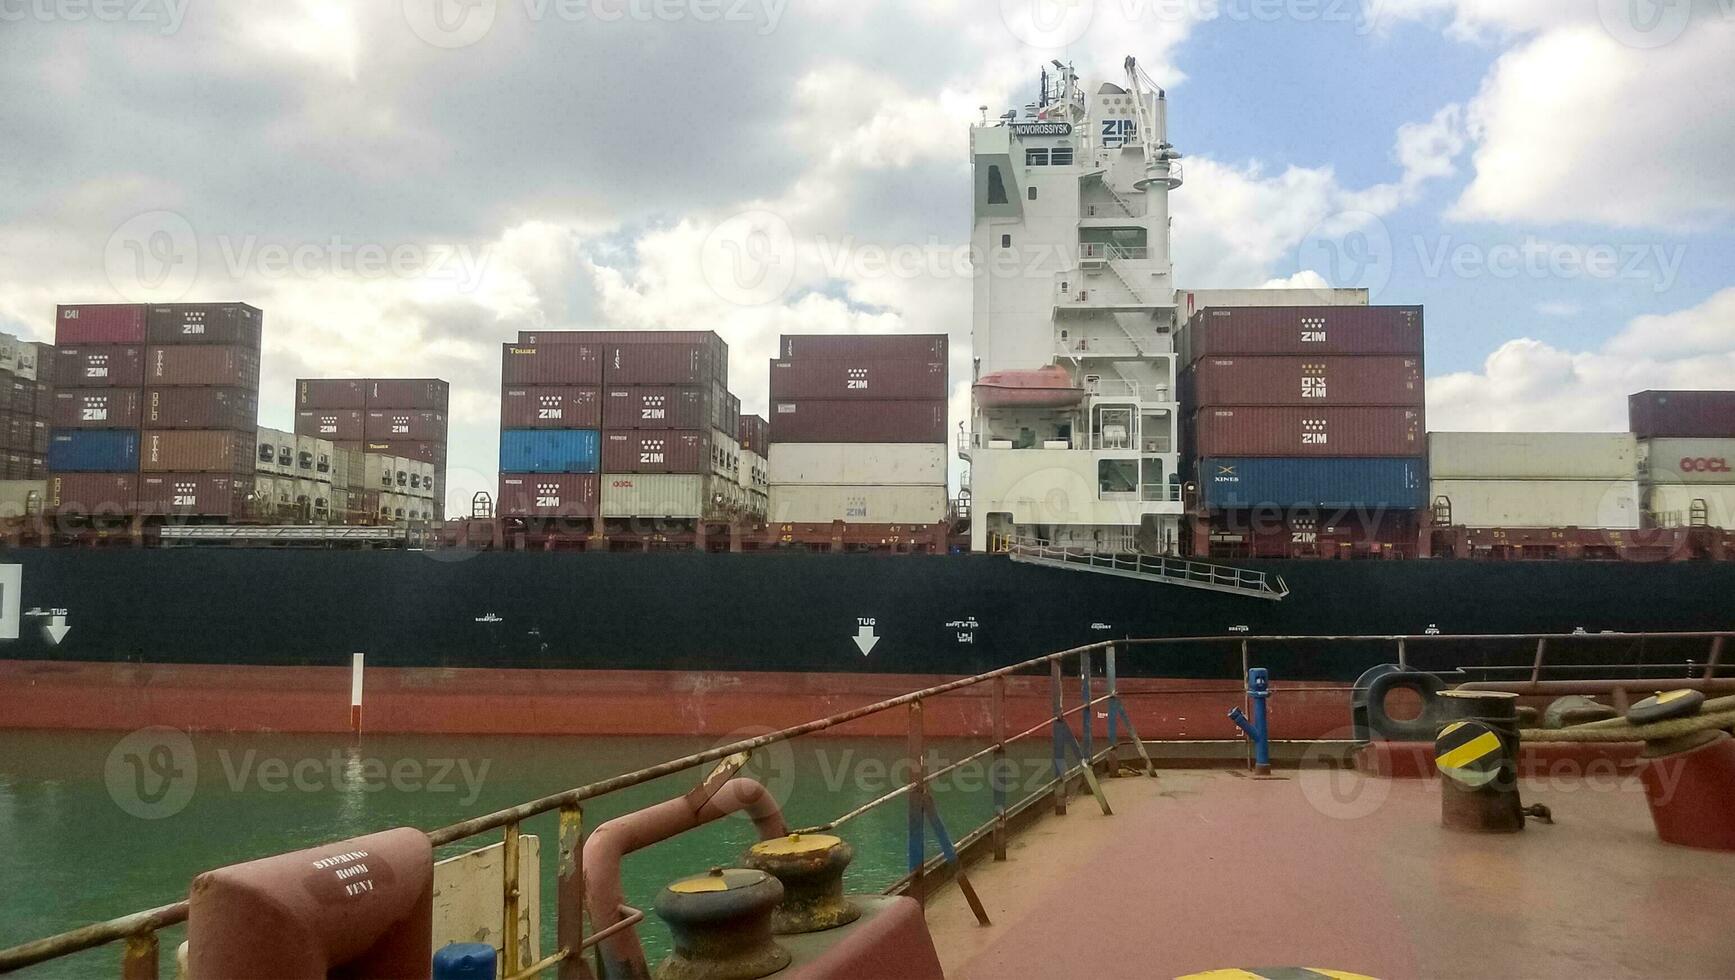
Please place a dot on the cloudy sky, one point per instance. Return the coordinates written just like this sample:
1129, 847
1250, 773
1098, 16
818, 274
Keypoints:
403, 184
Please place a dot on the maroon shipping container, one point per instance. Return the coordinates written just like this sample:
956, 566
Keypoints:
16, 466
98, 408
15, 436
204, 323
17, 396
717, 350
196, 494
44, 399
236, 409
1682, 414
656, 451
1320, 431
662, 364
820, 420
93, 493
330, 393
38, 469
200, 364
99, 323
551, 407
754, 434
861, 377
1311, 533
99, 367
423, 393
887, 346
425, 450
548, 495
417, 425
40, 433
551, 364
196, 451
1279, 380
337, 424
662, 406
1222, 331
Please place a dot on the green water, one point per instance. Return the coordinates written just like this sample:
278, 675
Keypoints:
94, 825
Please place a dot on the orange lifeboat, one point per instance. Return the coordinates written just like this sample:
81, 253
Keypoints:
1044, 387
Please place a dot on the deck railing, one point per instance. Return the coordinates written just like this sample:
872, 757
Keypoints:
1074, 756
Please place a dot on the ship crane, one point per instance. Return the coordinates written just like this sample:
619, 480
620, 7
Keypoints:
1161, 159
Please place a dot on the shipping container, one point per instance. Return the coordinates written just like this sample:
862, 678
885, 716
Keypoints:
715, 349
44, 398
426, 451
275, 497
99, 367
99, 323
1331, 532
313, 458
327, 393
203, 364
98, 408
346, 469
668, 496
39, 430
93, 493
1281, 380
1682, 414
428, 394
548, 495
93, 451
17, 357
381, 471
1532, 456
857, 378
667, 407
274, 452
416, 425
662, 364
234, 324
835, 463
337, 424
196, 494
551, 364
901, 347
22, 497
15, 433
1319, 431
1311, 330
197, 451
858, 421
236, 409
1679, 505
549, 450
1610, 504
1704, 461
550, 407
857, 504
657, 451
20, 396
1394, 483
754, 434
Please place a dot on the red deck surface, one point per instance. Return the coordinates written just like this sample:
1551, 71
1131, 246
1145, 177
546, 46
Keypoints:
1201, 871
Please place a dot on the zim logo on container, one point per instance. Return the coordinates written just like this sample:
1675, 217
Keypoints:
549, 407
1313, 330
548, 495
1704, 464
855, 379
652, 451
1313, 432
186, 494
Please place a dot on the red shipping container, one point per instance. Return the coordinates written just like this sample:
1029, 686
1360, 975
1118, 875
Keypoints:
661, 407
1682, 414
754, 434
336, 424
330, 393
886, 346
820, 420
662, 364
656, 451
717, 350
1320, 431
423, 393
15, 435
196, 494
98, 408
44, 398
204, 323
548, 495
550, 407
99, 367
39, 436
413, 424
202, 364
428, 451
859, 377
20, 396
93, 493
99, 323
1222, 331
38, 469
1279, 380
236, 409
553, 364
196, 451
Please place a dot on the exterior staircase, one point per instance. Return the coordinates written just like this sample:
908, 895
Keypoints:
1158, 570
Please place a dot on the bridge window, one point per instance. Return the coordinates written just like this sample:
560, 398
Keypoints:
1061, 156
1117, 476
1036, 157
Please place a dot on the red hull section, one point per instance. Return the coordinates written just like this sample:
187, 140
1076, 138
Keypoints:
120, 697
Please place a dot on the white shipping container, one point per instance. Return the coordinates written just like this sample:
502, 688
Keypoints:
752, 473
857, 504
1698, 461
863, 463
679, 496
379, 472
276, 452
1704, 505
339, 505
1540, 503
1532, 456
21, 497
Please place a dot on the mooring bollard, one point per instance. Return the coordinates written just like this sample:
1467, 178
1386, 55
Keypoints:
1259, 689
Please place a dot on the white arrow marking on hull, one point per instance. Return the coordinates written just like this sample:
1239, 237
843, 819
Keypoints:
56, 629
865, 639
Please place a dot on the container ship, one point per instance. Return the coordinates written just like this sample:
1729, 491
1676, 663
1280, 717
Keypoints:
1143, 460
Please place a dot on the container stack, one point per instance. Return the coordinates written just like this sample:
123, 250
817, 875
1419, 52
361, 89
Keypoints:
1305, 427
99, 379
753, 473
200, 413
26, 402
404, 419
1686, 449
858, 429
1534, 479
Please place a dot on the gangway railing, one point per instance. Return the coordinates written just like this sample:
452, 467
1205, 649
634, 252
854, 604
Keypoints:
1154, 568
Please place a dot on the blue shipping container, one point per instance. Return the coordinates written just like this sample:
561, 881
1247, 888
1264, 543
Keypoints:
93, 451
549, 450
1235, 483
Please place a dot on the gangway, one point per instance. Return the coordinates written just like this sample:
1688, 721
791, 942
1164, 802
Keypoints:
1159, 569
